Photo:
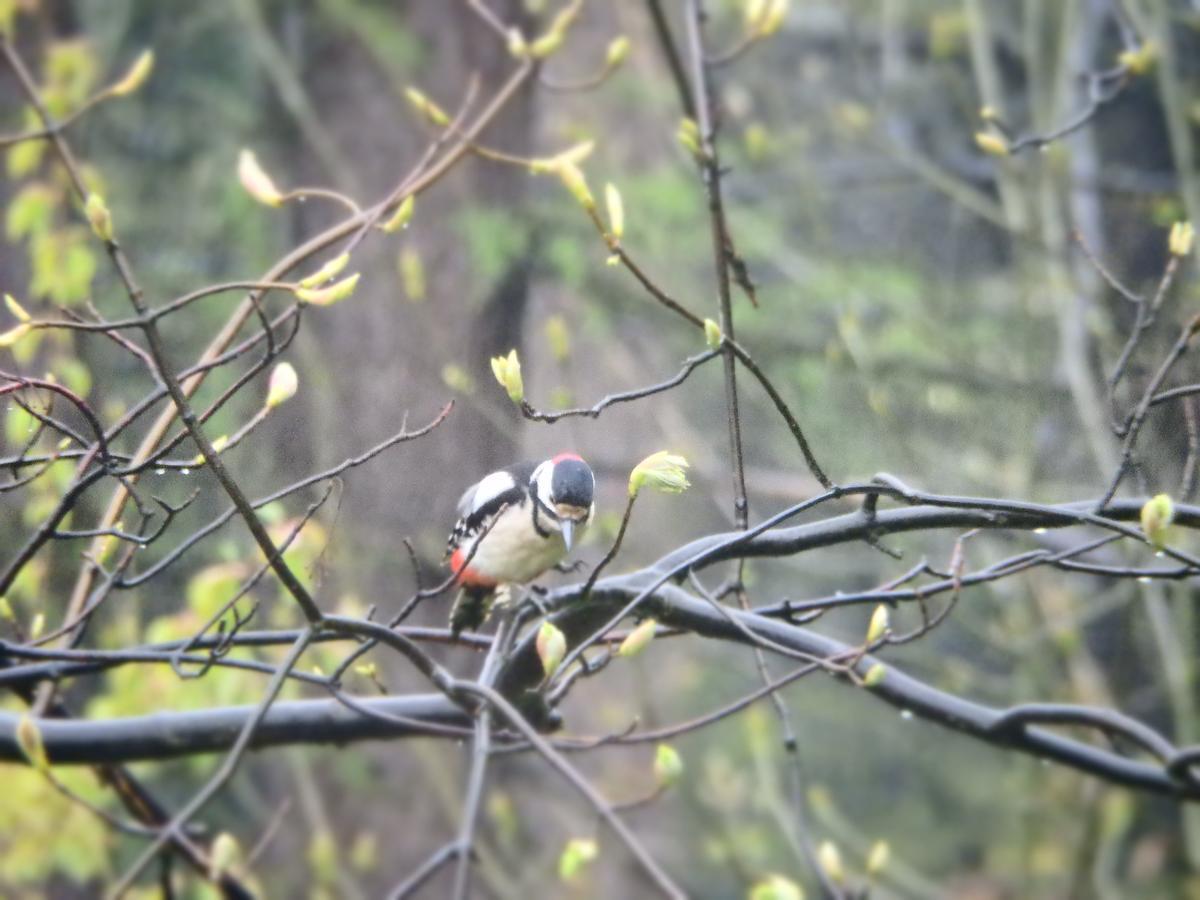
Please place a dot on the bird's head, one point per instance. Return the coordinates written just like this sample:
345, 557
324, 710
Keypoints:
565, 488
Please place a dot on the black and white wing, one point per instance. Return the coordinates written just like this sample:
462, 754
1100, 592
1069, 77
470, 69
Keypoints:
482, 500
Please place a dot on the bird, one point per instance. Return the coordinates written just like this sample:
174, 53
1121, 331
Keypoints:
515, 524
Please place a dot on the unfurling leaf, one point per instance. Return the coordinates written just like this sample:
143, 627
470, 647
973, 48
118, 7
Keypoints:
1157, 515
875, 675
668, 766
283, 385
135, 77
551, 647
507, 370
256, 181
663, 471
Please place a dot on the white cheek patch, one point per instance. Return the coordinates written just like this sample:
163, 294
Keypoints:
544, 477
485, 491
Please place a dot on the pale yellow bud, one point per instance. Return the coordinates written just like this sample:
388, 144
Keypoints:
638, 639
29, 739
879, 624
223, 855
99, 217
773, 18
830, 859
256, 181
1157, 515
516, 43
991, 144
6, 610
402, 216
551, 647
875, 675
330, 270
16, 308
1140, 60
616, 210
135, 77
712, 334
9, 338
546, 45
427, 107
1182, 237
618, 50
776, 887
576, 854
878, 858
283, 385
572, 176
327, 296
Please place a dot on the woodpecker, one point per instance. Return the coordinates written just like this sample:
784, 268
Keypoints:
513, 525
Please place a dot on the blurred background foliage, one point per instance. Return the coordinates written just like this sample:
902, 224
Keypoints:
923, 307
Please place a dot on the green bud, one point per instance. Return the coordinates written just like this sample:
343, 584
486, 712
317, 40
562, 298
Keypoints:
576, 854
402, 216
668, 766
99, 217
712, 334
1157, 515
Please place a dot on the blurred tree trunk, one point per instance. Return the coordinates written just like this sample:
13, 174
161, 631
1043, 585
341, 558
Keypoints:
385, 353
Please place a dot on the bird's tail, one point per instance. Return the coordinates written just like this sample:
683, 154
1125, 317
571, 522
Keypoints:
470, 609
